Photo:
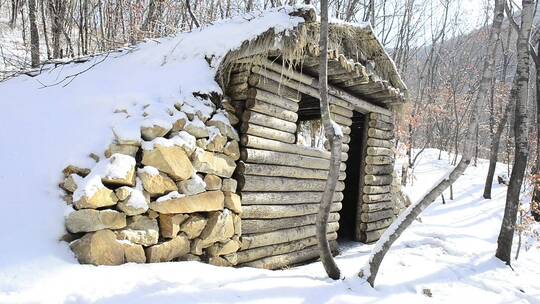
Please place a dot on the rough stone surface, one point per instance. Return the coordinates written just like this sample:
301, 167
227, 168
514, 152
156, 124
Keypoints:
82, 172
224, 128
216, 142
102, 197
128, 179
204, 202
169, 250
213, 163
153, 132
140, 230
202, 143
237, 220
196, 128
218, 261
88, 220
98, 248
228, 247
123, 193
157, 185
233, 202
190, 258
229, 185
171, 160
130, 150
220, 227
169, 224
213, 182
192, 186
70, 184
133, 253
232, 150
193, 226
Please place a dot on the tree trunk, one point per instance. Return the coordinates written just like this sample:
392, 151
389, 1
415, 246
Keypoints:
494, 152
57, 9
535, 202
413, 211
519, 95
34, 35
334, 137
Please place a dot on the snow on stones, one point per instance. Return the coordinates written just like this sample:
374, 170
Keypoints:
162, 192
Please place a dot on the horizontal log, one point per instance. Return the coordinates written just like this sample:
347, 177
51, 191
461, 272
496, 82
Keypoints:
288, 259
379, 169
281, 88
346, 130
374, 198
271, 183
238, 78
285, 198
285, 159
346, 112
285, 171
271, 110
376, 225
376, 189
377, 206
379, 116
344, 148
260, 226
380, 134
346, 139
379, 160
283, 211
368, 217
381, 125
282, 236
378, 151
341, 120
268, 121
266, 132
271, 98
383, 143
273, 145
378, 180
371, 236
278, 249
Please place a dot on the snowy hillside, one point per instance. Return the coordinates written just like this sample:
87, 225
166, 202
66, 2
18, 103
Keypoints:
446, 257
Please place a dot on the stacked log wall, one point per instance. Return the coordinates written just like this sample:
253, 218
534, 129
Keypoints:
376, 210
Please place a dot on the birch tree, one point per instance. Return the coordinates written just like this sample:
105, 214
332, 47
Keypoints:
519, 96
369, 272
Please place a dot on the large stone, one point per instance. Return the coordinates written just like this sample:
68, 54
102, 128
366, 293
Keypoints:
213, 163
216, 141
134, 203
220, 227
193, 226
140, 230
171, 160
221, 121
101, 197
196, 128
219, 261
130, 150
88, 220
228, 247
213, 182
232, 150
192, 186
133, 253
233, 202
229, 185
98, 248
169, 224
120, 171
155, 182
169, 250
204, 202
153, 131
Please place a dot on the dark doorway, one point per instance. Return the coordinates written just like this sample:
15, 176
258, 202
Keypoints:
348, 213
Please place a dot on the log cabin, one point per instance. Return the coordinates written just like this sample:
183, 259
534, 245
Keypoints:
272, 86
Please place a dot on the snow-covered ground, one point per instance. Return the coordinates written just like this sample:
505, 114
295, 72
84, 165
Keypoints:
448, 254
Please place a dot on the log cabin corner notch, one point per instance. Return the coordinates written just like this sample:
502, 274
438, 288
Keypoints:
272, 84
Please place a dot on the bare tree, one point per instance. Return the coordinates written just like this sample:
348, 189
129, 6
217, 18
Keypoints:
34, 35
334, 135
408, 216
519, 96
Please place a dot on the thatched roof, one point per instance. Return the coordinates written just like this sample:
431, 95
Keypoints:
357, 61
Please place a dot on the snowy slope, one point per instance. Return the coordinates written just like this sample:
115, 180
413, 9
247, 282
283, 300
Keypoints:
449, 253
